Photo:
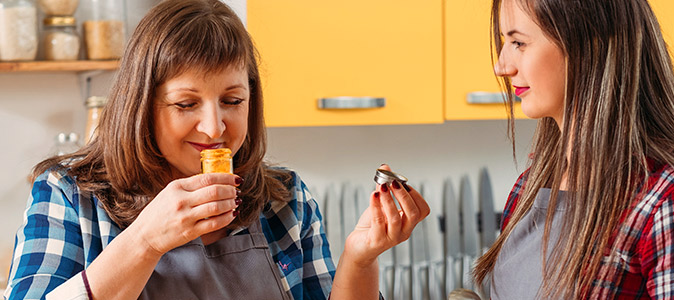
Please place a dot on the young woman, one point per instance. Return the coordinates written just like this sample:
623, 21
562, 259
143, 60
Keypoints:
129, 216
593, 216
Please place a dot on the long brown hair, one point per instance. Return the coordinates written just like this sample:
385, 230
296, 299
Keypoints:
122, 165
619, 111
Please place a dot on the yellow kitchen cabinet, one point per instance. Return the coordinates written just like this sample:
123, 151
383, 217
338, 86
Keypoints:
311, 50
664, 10
468, 68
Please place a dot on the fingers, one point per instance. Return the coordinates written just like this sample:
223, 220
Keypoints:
214, 208
215, 222
199, 181
213, 193
378, 218
420, 201
393, 218
411, 212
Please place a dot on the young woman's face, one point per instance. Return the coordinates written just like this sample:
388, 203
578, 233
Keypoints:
196, 111
535, 65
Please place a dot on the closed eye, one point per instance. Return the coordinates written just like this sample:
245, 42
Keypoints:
185, 105
232, 101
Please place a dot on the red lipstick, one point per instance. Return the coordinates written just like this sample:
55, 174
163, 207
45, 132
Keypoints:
520, 90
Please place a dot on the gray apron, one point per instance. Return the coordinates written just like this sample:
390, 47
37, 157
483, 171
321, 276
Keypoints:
234, 267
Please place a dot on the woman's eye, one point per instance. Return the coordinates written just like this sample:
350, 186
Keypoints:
232, 101
184, 105
517, 44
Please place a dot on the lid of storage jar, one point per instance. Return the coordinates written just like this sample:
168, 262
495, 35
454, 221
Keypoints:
63, 138
59, 21
96, 101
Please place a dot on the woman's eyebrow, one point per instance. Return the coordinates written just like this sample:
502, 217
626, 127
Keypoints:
515, 31
181, 89
236, 86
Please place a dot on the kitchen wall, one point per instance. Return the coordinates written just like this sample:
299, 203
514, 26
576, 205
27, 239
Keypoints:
34, 107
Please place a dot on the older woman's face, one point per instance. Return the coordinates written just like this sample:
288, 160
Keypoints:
196, 111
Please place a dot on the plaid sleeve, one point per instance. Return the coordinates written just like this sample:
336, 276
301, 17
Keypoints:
514, 195
48, 246
319, 269
298, 243
659, 252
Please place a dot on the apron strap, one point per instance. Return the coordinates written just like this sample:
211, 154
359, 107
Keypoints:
257, 237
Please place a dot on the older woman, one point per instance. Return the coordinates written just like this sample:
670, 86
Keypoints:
130, 215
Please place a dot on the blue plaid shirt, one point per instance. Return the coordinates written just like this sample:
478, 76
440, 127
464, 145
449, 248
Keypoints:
64, 231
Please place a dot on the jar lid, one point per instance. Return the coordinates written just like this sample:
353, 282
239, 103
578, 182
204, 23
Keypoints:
63, 138
59, 21
216, 152
382, 176
96, 101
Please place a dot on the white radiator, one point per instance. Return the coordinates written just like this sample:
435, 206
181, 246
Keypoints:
439, 255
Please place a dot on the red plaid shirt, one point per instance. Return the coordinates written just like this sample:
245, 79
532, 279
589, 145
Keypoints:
644, 266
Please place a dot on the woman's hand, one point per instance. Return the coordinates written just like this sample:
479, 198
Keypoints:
186, 209
382, 225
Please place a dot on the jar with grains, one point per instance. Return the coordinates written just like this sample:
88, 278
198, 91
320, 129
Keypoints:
104, 28
58, 7
60, 39
18, 30
94, 109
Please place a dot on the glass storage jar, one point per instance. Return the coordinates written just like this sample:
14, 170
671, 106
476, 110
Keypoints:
18, 30
94, 106
58, 7
104, 28
66, 143
60, 39
217, 161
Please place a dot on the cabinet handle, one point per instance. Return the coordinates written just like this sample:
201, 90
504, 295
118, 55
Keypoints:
487, 98
351, 102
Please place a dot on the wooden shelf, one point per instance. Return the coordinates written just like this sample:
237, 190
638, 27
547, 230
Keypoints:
59, 66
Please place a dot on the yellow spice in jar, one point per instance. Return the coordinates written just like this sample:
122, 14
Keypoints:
216, 161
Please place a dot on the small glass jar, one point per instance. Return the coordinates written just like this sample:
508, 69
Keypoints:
18, 30
217, 161
104, 28
66, 143
94, 108
58, 7
60, 39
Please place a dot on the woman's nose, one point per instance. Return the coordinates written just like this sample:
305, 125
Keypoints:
212, 123
504, 67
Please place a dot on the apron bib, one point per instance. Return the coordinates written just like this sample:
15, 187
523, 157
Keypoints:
234, 267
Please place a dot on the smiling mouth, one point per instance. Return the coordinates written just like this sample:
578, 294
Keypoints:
520, 90
201, 147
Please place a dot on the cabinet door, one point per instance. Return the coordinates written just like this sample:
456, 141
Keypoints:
664, 11
468, 67
322, 49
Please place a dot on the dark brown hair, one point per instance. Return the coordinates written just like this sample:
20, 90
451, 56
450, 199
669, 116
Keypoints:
618, 111
122, 165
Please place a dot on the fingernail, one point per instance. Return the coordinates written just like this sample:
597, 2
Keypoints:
384, 188
238, 180
395, 185
235, 213
407, 188
382, 165
376, 194
238, 201
238, 192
